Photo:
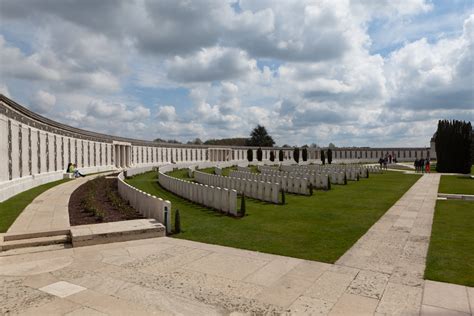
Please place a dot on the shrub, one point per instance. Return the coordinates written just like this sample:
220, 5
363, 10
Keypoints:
304, 154
310, 188
242, 206
280, 155
249, 154
345, 178
329, 155
296, 154
272, 156
283, 197
329, 184
323, 157
259, 154
177, 222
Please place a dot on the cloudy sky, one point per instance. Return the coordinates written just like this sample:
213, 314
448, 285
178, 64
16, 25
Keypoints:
363, 73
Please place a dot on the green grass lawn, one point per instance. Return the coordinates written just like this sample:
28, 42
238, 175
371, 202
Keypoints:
451, 253
321, 227
11, 208
456, 185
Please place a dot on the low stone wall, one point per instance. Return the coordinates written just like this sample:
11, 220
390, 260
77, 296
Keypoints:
148, 205
264, 191
221, 199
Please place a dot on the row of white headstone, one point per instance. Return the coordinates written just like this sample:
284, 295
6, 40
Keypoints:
147, 205
221, 199
264, 191
243, 168
352, 172
295, 185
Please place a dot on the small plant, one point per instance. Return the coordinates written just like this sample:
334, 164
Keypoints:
283, 197
367, 171
242, 206
177, 222
99, 214
310, 189
329, 184
358, 178
345, 178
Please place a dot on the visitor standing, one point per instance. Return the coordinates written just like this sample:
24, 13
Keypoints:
427, 166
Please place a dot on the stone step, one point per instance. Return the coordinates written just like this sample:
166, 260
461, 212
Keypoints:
20, 251
34, 242
93, 234
20, 236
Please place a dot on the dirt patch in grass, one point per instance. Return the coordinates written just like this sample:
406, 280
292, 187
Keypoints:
98, 201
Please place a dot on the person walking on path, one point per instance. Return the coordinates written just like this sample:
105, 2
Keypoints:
427, 166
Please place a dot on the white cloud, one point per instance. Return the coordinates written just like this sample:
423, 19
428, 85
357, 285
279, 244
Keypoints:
43, 101
304, 69
211, 64
4, 90
166, 113
16, 65
439, 75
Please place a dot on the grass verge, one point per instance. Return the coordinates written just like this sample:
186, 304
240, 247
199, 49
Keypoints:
12, 208
321, 227
456, 185
451, 252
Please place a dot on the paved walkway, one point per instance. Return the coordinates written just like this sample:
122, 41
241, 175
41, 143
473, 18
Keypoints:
380, 275
49, 210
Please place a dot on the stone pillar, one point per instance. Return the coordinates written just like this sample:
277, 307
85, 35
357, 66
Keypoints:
129, 156
117, 156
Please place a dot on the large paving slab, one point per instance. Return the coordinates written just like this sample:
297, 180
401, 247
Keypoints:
171, 276
381, 275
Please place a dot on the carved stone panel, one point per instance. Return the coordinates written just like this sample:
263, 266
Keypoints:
47, 152
10, 149
20, 147
30, 164
38, 153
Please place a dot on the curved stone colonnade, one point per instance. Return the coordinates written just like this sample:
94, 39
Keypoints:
35, 150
